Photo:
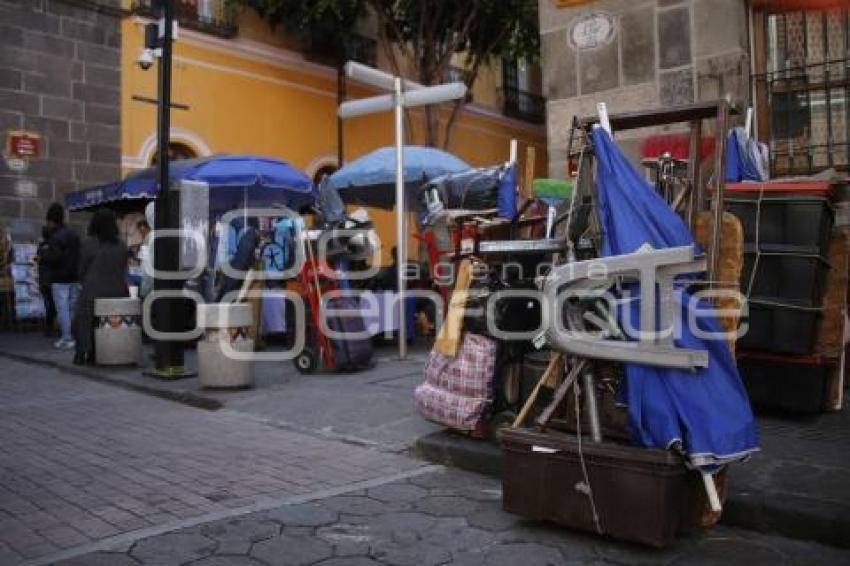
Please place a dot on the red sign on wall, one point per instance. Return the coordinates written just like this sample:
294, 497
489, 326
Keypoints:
23, 144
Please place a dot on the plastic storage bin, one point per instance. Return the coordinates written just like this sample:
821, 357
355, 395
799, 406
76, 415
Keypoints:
788, 277
117, 331
786, 384
780, 327
644, 496
804, 222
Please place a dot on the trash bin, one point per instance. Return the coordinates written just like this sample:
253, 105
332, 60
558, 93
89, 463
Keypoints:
225, 324
118, 331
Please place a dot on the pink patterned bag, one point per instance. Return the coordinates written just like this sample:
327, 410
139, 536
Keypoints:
457, 392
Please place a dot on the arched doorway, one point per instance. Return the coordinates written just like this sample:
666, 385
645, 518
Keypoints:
176, 152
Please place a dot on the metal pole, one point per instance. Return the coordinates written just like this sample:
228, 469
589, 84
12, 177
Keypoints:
169, 354
401, 240
719, 185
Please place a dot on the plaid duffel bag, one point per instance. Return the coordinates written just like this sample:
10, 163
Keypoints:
458, 391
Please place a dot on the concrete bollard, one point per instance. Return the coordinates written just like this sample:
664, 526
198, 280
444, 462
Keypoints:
117, 331
226, 327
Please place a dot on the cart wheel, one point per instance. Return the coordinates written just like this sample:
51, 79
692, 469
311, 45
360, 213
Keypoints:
306, 362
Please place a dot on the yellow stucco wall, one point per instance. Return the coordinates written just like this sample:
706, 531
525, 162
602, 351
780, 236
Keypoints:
244, 96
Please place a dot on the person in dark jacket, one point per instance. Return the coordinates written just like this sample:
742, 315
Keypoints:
45, 280
61, 256
103, 272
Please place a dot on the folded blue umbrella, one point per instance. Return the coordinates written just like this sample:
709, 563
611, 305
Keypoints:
706, 412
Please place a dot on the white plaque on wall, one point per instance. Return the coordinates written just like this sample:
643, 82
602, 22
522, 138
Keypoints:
593, 30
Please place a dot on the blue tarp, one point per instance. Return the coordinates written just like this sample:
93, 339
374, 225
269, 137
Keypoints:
507, 193
236, 180
706, 412
369, 180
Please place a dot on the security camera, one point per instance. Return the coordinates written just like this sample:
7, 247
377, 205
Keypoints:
145, 60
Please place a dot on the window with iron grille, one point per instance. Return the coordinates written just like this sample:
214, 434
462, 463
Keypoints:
210, 16
803, 89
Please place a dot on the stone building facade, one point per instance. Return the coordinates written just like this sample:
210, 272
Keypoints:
59, 79
657, 53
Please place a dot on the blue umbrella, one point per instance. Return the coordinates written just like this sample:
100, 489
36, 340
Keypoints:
706, 412
369, 179
234, 180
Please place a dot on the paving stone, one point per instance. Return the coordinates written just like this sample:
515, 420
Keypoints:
291, 551
172, 548
528, 554
447, 506
128, 461
100, 559
397, 493
347, 535
355, 561
713, 551
360, 505
423, 553
492, 520
306, 515
250, 530
228, 560
404, 522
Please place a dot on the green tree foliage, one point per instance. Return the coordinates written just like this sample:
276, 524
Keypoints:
420, 38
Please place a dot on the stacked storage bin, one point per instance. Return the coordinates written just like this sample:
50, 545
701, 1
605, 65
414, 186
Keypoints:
787, 231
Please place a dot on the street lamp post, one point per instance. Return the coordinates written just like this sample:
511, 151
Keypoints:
405, 94
169, 360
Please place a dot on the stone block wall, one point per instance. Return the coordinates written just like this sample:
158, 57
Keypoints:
662, 53
60, 78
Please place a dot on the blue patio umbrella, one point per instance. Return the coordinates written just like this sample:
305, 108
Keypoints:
705, 412
370, 179
234, 180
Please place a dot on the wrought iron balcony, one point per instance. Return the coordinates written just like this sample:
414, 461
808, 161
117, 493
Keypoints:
210, 16
523, 105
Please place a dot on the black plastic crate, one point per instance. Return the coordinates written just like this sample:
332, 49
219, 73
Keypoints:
784, 220
787, 277
785, 384
780, 328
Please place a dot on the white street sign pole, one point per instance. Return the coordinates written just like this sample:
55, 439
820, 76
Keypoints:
401, 240
406, 94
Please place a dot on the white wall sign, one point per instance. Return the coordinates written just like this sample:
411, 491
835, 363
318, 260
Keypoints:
16, 164
592, 30
26, 188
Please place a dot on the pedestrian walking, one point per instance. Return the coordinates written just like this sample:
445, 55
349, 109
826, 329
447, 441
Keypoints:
61, 256
45, 280
103, 272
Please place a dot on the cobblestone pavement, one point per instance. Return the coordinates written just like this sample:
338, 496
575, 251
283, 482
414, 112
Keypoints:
82, 462
443, 517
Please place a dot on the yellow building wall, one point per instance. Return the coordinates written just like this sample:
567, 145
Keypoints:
245, 96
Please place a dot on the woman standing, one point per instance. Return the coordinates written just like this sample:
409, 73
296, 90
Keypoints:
103, 272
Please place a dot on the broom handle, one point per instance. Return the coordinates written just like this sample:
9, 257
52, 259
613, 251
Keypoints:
711, 492
526, 408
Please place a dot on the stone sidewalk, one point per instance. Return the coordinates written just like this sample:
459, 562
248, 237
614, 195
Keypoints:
82, 462
797, 486
373, 408
443, 517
